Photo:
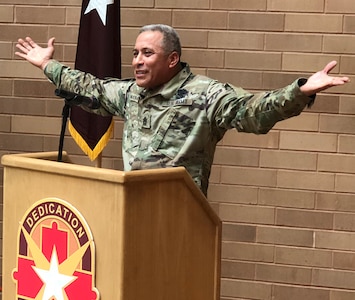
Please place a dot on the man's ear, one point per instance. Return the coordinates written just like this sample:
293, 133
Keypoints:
174, 59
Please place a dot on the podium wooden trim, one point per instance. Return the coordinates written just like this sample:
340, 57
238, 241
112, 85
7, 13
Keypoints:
155, 234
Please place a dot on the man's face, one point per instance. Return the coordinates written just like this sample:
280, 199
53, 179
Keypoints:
152, 67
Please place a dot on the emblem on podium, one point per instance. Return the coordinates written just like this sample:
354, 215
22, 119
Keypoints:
56, 254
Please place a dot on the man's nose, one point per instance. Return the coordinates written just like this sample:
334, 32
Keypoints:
138, 59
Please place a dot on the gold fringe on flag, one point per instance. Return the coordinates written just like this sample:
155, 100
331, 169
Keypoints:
91, 153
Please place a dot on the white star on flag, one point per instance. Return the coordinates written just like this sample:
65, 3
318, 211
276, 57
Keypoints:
54, 281
101, 8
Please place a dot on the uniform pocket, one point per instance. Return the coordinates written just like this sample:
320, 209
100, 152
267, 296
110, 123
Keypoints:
172, 133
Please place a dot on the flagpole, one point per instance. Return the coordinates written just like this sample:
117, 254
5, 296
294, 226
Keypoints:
98, 161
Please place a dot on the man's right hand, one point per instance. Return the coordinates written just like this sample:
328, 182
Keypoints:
35, 54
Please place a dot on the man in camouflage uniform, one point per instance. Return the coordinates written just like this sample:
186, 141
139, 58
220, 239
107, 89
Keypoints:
173, 117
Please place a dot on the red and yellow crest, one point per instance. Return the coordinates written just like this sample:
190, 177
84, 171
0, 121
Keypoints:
56, 254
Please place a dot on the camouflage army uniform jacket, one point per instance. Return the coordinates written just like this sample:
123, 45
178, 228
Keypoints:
180, 123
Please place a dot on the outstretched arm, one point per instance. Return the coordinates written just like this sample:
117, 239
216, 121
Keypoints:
321, 80
35, 54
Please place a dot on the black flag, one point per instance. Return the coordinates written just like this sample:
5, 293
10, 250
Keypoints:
98, 53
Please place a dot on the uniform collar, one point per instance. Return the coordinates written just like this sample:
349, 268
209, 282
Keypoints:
169, 89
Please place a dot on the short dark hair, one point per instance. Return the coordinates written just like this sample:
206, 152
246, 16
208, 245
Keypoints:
171, 40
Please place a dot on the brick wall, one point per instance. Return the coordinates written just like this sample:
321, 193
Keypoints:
286, 199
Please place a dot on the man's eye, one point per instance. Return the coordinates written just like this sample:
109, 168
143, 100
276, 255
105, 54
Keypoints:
148, 53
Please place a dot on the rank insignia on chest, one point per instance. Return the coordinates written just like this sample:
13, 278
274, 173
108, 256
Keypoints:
146, 117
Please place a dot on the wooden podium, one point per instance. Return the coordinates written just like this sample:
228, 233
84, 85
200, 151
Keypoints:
155, 235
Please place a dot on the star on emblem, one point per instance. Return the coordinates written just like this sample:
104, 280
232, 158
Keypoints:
54, 281
101, 8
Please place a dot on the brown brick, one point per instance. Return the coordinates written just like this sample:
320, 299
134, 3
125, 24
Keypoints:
6, 13
338, 44
193, 38
240, 270
137, 3
134, 17
21, 142
247, 214
243, 289
341, 295
349, 24
335, 240
313, 23
23, 106
308, 62
215, 176
306, 180
285, 236
333, 278
304, 218
26, 2
272, 80
33, 88
255, 5
69, 53
284, 274
40, 15
20, 69
325, 104
5, 87
129, 35
247, 252
5, 50
346, 143
64, 34
248, 176
304, 257
308, 141
286, 198
345, 183
256, 21
238, 232
302, 5
304, 122
282, 292
35, 125
233, 194
204, 58
335, 202
294, 160
12, 32
340, 6
344, 260
236, 156
200, 19
236, 40
337, 123
65, 2
293, 42
72, 15
253, 60
347, 104
234, 138
198, 4
5, 123
336, 163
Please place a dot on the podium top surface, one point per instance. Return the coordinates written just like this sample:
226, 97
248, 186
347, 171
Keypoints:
45, 162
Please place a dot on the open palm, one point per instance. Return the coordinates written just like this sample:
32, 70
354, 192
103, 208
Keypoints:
35, 54
321, 80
